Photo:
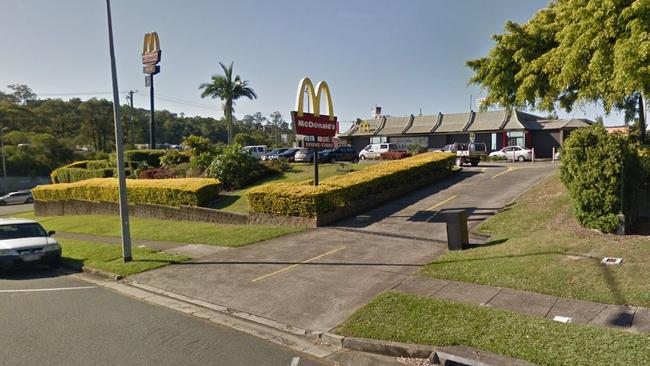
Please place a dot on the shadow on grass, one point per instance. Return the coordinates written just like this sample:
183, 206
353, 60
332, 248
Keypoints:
224, 201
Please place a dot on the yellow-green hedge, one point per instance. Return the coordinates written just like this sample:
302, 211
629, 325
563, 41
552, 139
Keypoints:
290, 199
168, 192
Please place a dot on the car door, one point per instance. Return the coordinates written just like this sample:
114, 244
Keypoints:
16, 198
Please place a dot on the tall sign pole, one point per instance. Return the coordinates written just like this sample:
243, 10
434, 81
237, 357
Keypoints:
150, 59
320, 128
119, 147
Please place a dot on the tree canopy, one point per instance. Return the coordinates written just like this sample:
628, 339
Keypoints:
572, 52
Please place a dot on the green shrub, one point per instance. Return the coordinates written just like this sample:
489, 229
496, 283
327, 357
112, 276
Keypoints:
281, 165
173, 158
168, 192
151, 157
236, 168
601, 173
295, 199
99, 164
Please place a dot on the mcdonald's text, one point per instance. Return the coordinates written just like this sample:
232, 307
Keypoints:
311, 125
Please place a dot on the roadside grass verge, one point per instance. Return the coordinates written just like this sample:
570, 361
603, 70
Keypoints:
165, 230
237, 201
107, 257
538, 246
411, 319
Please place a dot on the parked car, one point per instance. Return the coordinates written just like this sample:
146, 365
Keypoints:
257, 151
304, 155
271, 153
374, 151
519, 153
341, 153
557, 155
17, 197
26, 242
287, 154
452, 148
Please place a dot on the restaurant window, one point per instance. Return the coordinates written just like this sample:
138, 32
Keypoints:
516, 138
493, 147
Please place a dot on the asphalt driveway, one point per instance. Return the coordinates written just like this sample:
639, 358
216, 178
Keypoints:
316, 279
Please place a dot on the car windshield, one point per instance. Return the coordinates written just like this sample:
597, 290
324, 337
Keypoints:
304, 151
17, 231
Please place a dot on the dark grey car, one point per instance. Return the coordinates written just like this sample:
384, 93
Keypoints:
17, 197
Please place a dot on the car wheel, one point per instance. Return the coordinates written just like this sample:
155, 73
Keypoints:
355, 160
521, 158
363, 157
474, 163
29, 200
3, 203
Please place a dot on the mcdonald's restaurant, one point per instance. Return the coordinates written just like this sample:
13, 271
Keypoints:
496, 129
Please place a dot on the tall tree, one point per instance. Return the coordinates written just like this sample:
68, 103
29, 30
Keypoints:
572, 52
227, 89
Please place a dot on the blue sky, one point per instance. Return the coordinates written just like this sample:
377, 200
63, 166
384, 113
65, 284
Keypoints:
401, 55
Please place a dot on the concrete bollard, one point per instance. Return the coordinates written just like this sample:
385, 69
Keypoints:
457, 233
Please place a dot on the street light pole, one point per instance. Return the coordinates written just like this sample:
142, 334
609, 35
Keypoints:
119, 147
4, 164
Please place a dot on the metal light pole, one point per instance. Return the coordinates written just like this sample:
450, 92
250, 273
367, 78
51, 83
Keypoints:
130, 99
119, 147
4, 164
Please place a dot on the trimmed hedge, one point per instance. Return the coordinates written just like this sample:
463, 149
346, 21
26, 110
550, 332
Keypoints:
151, 157
80, 170
303, 200
602, 173
167, 192
394, 155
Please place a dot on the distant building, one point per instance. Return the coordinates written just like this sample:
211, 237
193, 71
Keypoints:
494, 128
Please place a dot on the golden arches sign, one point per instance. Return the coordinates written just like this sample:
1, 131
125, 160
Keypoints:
151, 43
151, 49
364, 126
315, 96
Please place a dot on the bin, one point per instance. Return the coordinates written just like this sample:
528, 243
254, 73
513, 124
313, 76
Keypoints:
457, 233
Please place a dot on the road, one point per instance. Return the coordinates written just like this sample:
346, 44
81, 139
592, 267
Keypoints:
53, 319
317, 278
13, 209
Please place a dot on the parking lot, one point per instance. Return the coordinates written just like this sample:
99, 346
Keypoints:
317, 278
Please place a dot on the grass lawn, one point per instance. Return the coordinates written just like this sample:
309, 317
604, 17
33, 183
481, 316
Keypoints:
412, 319
108, 257
236, 201
538, 246
166, 230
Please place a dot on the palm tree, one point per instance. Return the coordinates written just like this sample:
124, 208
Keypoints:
228, 90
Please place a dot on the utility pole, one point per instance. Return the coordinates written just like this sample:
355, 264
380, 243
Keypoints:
129, 98
119, 147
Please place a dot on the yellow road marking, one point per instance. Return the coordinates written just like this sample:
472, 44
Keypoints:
441, 203
509, 170
296, 265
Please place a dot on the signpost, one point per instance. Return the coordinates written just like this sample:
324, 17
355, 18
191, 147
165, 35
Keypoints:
320, 128
150, 59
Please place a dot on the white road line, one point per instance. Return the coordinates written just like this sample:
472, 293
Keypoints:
294, 361
48, 289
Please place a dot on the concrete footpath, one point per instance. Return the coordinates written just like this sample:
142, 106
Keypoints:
636, 319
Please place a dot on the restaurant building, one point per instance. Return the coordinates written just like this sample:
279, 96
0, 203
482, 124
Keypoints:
496, 129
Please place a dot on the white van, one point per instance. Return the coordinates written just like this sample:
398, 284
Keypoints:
257, 151
373, 151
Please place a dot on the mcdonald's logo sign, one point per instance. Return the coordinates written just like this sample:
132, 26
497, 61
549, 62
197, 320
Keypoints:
151, 49
313, 124
364, 126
